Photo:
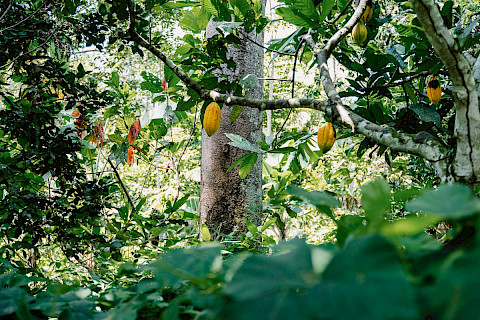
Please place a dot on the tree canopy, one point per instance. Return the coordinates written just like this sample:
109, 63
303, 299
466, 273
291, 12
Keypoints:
102, 108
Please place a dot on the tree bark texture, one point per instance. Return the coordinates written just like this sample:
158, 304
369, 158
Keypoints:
465, 91
226, 201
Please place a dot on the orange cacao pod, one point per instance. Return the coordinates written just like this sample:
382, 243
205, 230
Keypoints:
211, 118
326, 137
434, 90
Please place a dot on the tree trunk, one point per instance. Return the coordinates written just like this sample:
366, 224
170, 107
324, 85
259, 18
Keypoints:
226, 201
466, 167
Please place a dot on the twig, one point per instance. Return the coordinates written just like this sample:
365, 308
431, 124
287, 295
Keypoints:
121, 183
8, 8
341, 13
275, 79
23, 20
266, 48
293, 91
398, 83
36, 48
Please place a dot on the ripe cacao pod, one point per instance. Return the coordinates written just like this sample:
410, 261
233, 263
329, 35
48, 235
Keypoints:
434, 90
211, 118
359, 33
326, 137
368, 13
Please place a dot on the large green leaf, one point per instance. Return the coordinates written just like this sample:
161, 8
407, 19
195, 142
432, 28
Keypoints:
242, 143
301, 13
447, 202
452, 292
376, 200
364, 281
320, 199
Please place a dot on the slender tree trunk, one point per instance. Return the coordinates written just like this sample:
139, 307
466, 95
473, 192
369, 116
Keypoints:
226, 201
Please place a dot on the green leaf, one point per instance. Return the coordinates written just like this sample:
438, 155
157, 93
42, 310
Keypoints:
252, 228
261, 276
205, 233
242, 143
411, 225
80, 71
447, 202
208, 6
347, 225
366, 275
283, 150
426, 113
294, 17
116, 79
454, 293
70, 5
327, 6
376, 200
396, 51
170, 76
320, 199
247, 165
270, 222
11, 299
249, 81
411, 92
189, 22
236, 110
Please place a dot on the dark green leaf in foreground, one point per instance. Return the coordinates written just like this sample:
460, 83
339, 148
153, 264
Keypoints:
453, 292
364, 281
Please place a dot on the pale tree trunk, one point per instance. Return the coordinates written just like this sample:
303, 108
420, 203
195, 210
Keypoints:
226, 201
466, 166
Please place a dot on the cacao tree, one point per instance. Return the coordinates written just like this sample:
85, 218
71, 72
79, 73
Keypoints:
394, 122
384, 100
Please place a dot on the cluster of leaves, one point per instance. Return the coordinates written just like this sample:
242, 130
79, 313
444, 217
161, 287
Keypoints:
376, 270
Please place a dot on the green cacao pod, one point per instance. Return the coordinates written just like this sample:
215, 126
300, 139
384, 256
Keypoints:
326, 137
434, 90
211, 118
359, 33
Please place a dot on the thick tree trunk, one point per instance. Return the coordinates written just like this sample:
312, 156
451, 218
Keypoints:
226, 201
466, 167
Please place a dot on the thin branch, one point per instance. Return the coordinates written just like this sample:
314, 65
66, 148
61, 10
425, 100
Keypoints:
8, 8
30, 51
117, 175
300, 44
397, 83
275, 79
23, 20
227, 99
268, 49
429, 148
341, 13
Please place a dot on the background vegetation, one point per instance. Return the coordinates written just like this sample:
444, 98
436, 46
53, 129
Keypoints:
363, 231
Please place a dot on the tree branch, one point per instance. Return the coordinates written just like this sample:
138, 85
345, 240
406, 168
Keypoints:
428, 148
215, 95
397, 83
420, 144
465, 95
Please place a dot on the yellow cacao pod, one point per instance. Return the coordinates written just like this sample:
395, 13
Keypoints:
359, 33
434, 90
211, 118
326, 137
368, 13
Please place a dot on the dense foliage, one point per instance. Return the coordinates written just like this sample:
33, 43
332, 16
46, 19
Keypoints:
99, 166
